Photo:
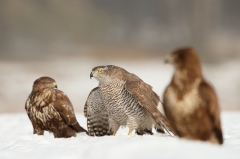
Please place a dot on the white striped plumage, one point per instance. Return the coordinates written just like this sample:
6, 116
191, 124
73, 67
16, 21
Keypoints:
50, 109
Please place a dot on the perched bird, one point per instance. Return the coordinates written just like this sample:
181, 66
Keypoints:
97, 116
189, 101
50, 109
128, 102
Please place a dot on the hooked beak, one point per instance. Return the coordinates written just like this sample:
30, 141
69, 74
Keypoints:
55, 85
168, 59
91, 75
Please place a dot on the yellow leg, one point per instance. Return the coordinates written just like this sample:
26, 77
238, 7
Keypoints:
114, 133
130, 132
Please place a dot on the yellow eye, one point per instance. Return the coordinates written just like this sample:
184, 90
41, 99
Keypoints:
99, 71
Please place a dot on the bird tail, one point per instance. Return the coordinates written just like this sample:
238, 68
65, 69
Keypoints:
219, 135
98, 125
163, 123
78, 128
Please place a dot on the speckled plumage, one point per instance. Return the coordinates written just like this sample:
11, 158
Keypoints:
128, 100
50, 109
189, 101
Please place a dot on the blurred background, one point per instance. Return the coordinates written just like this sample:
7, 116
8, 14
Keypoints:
66, 39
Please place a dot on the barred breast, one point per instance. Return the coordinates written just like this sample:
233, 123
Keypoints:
123, 109
112, 97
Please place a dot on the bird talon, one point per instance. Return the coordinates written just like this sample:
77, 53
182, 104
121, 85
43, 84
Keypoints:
130, 132
114, 133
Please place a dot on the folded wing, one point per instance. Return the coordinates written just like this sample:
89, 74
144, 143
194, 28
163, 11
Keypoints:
64, 107
212, 107
96, 114
148, 99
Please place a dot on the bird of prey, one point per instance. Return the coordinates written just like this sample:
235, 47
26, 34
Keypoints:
123, 99
189, 101
50, 109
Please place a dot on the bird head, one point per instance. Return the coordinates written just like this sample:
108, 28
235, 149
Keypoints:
100, 73
45, 83
105, 74
183, 57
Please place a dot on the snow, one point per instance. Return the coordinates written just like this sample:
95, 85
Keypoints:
72, 77
17, 141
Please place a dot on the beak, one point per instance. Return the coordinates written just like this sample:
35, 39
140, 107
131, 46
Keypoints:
168, 58
91, 75
55, 85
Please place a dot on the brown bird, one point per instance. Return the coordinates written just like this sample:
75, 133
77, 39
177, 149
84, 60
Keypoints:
189, 101
50, 109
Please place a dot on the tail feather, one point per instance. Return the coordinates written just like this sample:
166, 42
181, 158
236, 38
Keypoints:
146, 131
163, 122
78, 128
160, 130
219, 135
98, 126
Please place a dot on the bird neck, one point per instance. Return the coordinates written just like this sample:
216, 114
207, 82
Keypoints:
41, 89
106, 81
185, 78
112, 83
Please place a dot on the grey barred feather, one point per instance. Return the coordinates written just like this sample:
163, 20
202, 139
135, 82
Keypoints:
96, 114
129, 101
148, 99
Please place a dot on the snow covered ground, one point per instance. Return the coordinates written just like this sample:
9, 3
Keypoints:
17, 141
72, 76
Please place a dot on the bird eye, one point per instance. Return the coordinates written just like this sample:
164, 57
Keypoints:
100, 71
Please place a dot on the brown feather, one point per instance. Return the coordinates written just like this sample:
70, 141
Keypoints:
189, 102
64, 107
50, 109
147, 98
213, 109
119, 87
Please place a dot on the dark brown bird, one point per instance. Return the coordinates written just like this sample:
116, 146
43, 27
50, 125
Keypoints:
50, 109
189, 101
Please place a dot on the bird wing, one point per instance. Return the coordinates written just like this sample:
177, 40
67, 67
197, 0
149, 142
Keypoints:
147, 98
96, 114
27, 107
212, 107
64, 107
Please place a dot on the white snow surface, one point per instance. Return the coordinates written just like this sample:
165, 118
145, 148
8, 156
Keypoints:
18, 141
